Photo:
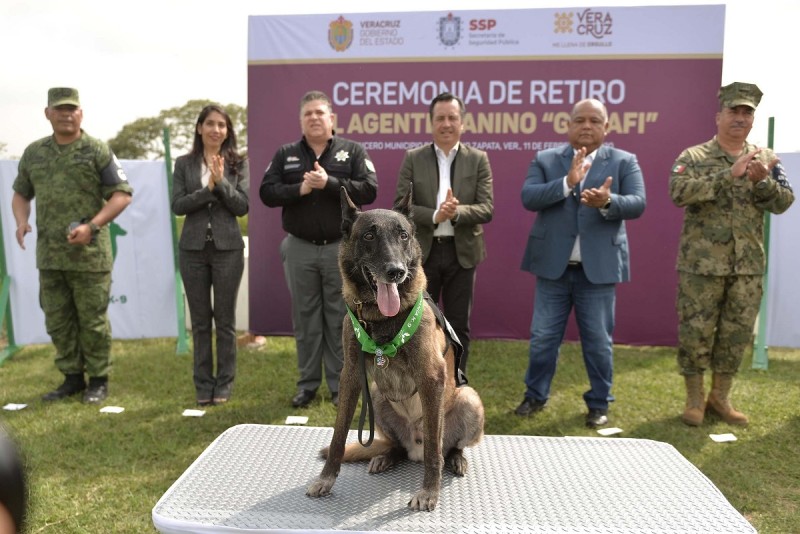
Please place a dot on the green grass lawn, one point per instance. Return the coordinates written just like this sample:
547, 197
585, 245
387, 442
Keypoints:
93, 472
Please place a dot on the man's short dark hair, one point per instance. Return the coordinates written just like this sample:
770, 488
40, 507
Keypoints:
315, 95
447, 97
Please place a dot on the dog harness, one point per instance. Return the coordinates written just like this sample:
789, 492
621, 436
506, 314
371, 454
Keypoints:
387, 350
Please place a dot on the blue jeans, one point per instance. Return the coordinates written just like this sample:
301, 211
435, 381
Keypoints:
594, 313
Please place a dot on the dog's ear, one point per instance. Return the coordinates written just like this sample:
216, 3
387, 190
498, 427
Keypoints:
349, 213
405, 205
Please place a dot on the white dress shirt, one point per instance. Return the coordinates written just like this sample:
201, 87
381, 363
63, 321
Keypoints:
445, 161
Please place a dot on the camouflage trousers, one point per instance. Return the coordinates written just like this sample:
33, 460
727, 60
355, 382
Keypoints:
75, 306
716, 316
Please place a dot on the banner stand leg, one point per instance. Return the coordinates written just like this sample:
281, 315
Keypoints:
5, 320
5, 305
760, 350
182, 344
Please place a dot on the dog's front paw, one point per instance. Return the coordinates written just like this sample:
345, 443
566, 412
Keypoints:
320, 487
424, 500
323, 452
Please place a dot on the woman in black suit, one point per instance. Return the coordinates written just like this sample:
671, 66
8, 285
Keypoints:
210, 187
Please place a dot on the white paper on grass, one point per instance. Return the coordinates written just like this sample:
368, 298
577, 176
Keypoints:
296, 420
609, 431
722, 438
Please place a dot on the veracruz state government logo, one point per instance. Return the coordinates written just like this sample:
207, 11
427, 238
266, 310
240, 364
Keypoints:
340, 34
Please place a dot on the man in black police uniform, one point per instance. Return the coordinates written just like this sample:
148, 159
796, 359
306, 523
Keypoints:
305, 179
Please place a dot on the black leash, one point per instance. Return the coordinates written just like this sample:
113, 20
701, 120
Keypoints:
366, 404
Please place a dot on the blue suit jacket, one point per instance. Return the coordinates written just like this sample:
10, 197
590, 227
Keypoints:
604, 242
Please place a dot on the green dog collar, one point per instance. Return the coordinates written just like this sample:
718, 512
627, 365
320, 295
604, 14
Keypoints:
388, 350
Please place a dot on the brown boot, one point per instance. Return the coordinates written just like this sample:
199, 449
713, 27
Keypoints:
695, 400
719, 402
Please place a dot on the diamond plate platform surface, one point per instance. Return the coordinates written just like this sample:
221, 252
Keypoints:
253, 478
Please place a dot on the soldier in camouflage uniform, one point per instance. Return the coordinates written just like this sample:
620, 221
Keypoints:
75, 179
725, 186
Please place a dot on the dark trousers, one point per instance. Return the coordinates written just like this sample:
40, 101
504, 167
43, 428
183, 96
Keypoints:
315, 284
218, 271
451, 286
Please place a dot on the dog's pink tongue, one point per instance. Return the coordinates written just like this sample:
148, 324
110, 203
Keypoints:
388, 299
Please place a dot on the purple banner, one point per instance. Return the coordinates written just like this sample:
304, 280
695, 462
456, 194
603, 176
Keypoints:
515, 107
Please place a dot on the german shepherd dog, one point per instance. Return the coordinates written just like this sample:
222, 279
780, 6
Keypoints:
420, 414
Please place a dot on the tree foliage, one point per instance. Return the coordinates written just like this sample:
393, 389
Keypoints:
143, 138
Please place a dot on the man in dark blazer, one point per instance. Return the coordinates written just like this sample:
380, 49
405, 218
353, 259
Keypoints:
578, 249
453, 197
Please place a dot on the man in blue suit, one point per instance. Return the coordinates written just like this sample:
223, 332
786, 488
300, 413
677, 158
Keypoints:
578, 250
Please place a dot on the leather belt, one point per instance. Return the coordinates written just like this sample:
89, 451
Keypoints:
443, 239
574, 265
320, 242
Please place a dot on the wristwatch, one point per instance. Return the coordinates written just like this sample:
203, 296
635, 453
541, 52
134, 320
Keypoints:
607, 204
95, 229
761, 184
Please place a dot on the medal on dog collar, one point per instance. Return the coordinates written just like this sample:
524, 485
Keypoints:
388, 350
381, 361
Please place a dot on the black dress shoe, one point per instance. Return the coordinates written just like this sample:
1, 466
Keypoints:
596, 417
530, 406
303, 398
73, 384
335, 398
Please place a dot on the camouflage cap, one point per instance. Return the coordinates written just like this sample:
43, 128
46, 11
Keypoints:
61, 96
740, 94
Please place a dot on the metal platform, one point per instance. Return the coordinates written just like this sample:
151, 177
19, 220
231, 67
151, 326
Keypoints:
253, 478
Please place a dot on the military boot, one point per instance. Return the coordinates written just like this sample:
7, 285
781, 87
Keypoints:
73, 384
97, 390
695, 400
719, 402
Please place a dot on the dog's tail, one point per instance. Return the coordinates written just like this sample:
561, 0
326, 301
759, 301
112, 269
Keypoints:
355, 452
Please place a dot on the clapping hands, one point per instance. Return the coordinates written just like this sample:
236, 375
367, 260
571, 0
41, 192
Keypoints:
217, 168
447, 209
